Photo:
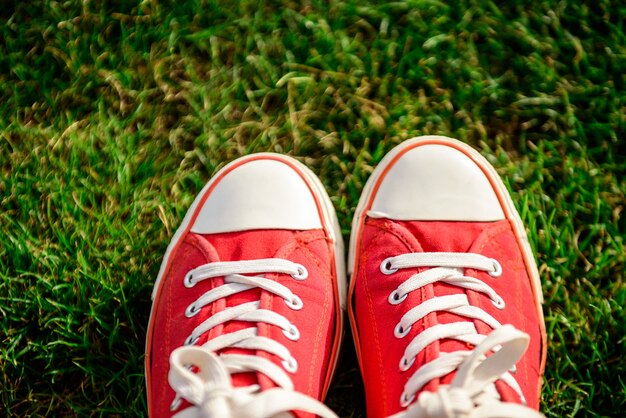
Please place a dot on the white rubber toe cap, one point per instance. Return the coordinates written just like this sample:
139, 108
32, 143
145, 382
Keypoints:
436, 182
258, 194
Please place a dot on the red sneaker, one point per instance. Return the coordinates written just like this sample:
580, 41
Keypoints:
247, 312
440, 263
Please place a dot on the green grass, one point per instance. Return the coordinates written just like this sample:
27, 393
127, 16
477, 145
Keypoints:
112, 117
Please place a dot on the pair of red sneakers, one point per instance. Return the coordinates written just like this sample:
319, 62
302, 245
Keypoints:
444, 296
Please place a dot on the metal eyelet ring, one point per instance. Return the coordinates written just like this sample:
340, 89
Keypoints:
292, 333
188, 281
295, 303
498, 303
301, 274
191, 311
291, 365
395, 298
406, 364
406, 400
385, 266
175, 403
497, 268
191, 340
400, 331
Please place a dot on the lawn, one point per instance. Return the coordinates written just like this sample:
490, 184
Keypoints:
114, 114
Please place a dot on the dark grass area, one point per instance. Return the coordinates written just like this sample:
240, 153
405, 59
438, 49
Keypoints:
114, 114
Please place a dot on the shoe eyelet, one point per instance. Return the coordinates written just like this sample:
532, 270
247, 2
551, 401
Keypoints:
400, 331
395, 298
497, 268
191, 311
295, 303
188, 281
176, 403
499, 303
301, 273
292, 333
386, 266
191, 340
406, 364
291, 365
406, 400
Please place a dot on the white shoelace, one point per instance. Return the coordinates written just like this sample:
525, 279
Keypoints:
210, 391
472, 393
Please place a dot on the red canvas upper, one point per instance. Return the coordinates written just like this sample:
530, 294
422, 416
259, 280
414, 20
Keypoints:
316, 321
376, 318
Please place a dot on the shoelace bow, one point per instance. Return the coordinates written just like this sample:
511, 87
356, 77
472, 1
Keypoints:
210, 389
472, 393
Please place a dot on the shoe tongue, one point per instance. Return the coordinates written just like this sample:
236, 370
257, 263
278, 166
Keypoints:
437, 236
238, 246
